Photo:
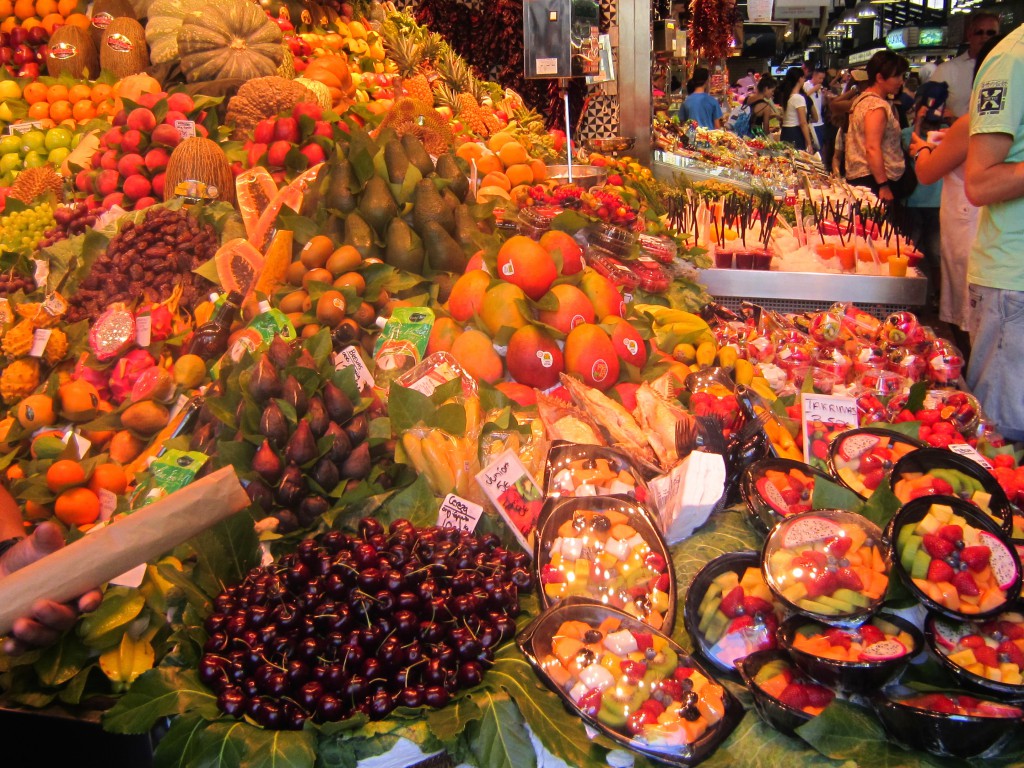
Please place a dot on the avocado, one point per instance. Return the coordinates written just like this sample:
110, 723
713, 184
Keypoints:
429, 206
359, 234
403, 248
448, 168
376, 205
417, 154
395, 161
340, 195
443, 253
450, 199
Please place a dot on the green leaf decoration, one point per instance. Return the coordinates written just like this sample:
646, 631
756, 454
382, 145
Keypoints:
160, 692
882, 506
208, 270
74, 691
755, 743
62, 661
498, 739
304, 229
829, 495
447, 724
451, 418
225, 553
415, 503
916, 396
407, 408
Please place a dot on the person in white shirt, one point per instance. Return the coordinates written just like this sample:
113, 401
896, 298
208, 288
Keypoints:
958, 73
927, 70
815, 90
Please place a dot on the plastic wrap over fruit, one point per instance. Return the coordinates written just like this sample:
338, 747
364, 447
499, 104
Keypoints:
97, 378
945, 362
126, 372
113, 333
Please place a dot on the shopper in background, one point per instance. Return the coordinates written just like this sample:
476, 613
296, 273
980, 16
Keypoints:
790, 97
940, 154
995, 182
927, 69
48, 619
748, 82
874, 154
923, 210
699, 105
853, 84
958, 72
818, 95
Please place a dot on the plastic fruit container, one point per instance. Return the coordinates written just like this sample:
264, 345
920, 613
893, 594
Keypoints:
953, 557
575, 470
829, 564
985, 656
856, 659
774, 489
932, 471
768, 675
862, 459
622, 678
961, 408
730, 612
608, 549
946, 723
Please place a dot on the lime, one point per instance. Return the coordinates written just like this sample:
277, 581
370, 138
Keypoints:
33, 141
10, 144
10, 163
57, 155
34, 159
57, 138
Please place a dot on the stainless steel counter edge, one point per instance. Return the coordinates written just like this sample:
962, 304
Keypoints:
814, 286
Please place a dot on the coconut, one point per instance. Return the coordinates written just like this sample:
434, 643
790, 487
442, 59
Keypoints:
72, 52
202, 167
124, 50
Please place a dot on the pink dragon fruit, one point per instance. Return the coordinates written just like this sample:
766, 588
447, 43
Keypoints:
126, 371
161, 321
97, 378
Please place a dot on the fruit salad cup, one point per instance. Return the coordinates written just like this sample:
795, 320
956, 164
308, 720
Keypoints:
862, 459
784, 697
730, 612
607, 549
830, 565
954, 557
575, 470
629, 681
774, 489
983, 655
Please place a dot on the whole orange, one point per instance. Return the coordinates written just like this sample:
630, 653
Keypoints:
109, 477
77, 506
63, 474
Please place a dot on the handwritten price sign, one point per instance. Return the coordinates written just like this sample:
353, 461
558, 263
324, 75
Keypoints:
460, 513
515, 493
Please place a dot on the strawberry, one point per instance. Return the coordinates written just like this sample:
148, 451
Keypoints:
940, 570
873, 479
870, 634
739, 624
634, 670
663, 582
976, 558
838, 546
753, 606
822, 583
838, 637
938, 484
590, 702
818, 695
936, 546
732, 603
673, 689
655, 562
965, 584
644, 640
951, 533
1009, 651
1011, 630
987, 656
817, 559
972, 641
653, 706
849, 579
682, 673
795, 695
939, 703
639, 720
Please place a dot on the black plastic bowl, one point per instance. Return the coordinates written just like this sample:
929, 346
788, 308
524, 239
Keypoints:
850, 676
960, 736
914, 511
936, 625
834, 446
761, 512
779, 716
736, 562
939, 458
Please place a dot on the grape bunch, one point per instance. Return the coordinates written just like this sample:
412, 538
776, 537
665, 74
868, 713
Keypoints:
21, 231
11, 282
362, 623
69, 220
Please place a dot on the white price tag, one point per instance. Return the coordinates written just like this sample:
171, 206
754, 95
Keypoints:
350, 357
186, 128
39, 339
42, 271
19, 128
132, 578
180, 403
969, 452
80, 444
547, 67
144, 330
108, 503
457, 512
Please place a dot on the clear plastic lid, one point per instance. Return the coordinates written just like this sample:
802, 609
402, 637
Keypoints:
603, 262
615, 239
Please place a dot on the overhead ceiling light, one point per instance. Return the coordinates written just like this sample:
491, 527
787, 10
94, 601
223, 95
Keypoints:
867, 13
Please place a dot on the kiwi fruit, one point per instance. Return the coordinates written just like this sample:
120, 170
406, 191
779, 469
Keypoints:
315, 253
296, 301
295, 272
317, 276
330, 308
343, 260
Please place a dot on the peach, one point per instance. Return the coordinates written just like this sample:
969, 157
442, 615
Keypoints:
287, 129
141, 119
166, 135
264, 131
277, 152
173, 116
158, 184
112, 137
114, 198
108, 181
144, 202
136, 187
180, 102
308, 109
131, 142
443, 335
108, 160
156, 159
314, 153
131, 164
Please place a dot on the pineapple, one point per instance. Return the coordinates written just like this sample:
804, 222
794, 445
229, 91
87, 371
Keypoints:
454, 71
411, 54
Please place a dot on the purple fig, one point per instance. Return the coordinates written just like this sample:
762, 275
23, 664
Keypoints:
260, 493
280, 352
357, 465
342, 445
305, 360
358, 428
301, 447
286, 521
326, 474
339, 405
264, 382
293, 394
317, 416
266, 463
273, 424
311, 509
292, 487
204, 437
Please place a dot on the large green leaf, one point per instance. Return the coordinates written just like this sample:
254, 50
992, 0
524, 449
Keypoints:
498, 739
755, 744
160, 692
407, 408
881, 506
225, 553
447, 724
62, 661
828, 495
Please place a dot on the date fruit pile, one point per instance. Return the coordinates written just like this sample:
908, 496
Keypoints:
362, 623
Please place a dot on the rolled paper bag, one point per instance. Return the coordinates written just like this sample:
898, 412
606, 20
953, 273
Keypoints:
116, 548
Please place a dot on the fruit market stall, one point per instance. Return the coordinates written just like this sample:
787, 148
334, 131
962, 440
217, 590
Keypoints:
490, 425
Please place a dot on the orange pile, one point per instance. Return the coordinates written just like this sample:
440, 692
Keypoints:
79, 103
48, 14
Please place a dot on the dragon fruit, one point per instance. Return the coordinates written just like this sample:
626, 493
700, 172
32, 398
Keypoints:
97, 378
1004, 569
855, 446
126, 372
154, 383
772, 495
161, 321
884, 650
810, 529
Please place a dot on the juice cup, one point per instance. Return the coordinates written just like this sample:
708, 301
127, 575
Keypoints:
825, 251
762, 259
884, 252
898, 265
847, 259
744, 260
864, 253
723, 259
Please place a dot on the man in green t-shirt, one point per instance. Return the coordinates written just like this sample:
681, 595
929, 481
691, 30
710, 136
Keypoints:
994, 181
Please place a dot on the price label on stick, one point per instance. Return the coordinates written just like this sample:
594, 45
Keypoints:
350, 357
968, 452
460, 513
186, 129
514, 492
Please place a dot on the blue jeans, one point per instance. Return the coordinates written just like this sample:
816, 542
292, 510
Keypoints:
996, 369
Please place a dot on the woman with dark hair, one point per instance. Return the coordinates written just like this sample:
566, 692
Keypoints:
790, 98
874, 155
760, 103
